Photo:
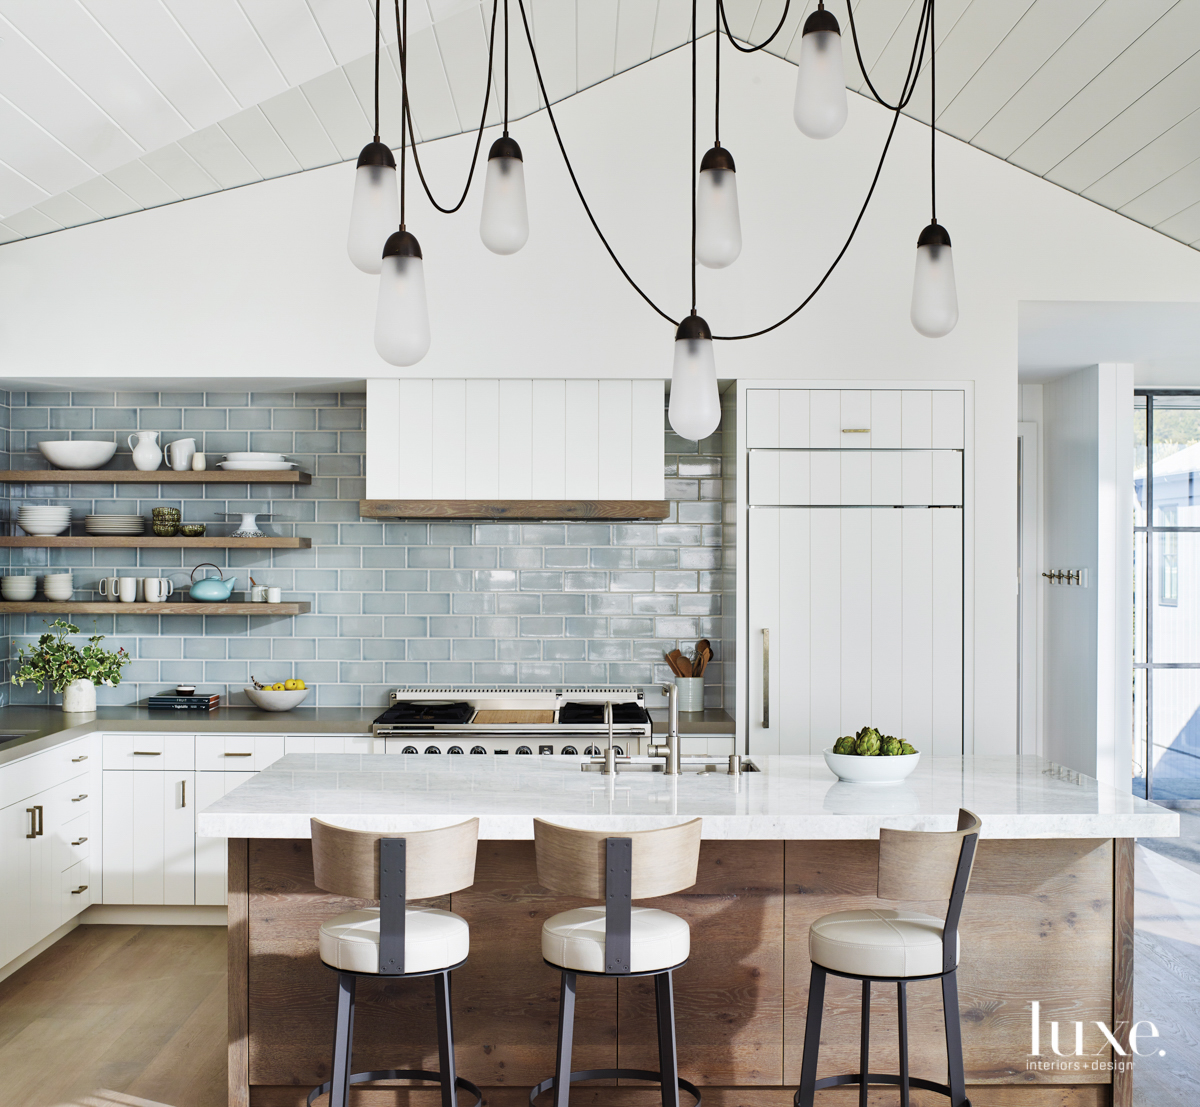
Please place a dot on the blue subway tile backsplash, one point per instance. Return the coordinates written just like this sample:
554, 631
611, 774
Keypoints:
392, 602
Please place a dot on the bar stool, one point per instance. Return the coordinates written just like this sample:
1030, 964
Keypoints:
896, 946
393, 941
616, 939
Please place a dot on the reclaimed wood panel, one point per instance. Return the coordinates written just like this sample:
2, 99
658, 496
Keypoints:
156, 476
238, 966
514, 509
1037, 924
1122, 978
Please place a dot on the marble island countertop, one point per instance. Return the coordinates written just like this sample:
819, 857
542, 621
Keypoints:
791, 798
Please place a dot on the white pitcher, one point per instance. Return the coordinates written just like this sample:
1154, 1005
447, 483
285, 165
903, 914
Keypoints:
146, 454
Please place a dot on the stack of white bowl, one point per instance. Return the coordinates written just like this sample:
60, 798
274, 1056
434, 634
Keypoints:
59, 587
114, 524
43, 519
255, 459
18, 588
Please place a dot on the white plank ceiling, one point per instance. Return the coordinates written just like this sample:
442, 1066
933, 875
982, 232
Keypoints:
111, 106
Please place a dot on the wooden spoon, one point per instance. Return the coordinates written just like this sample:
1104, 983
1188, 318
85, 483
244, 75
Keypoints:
681, 665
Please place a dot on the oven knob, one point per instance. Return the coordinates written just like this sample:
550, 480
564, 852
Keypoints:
524, 749
591, 751
455, 749
432, 749
570, 751
618, 751
478, 749
410, 749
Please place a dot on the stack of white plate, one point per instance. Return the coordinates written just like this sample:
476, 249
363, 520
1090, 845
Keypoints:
58, 586
18, 588
255, 459
114, 524
43, 519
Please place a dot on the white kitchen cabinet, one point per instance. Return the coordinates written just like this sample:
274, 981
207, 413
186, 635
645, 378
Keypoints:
212, 853
328, 743
219, 753
149, 837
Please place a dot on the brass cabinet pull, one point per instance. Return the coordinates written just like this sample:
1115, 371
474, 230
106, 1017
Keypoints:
76, 799
766, 679
37, 825
81, 757
251, 754
80, 841
81, 888
147, 753
856, 430
183, 792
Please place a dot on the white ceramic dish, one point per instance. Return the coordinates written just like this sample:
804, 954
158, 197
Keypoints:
265, 466
870, 770
44, 530
276, 701
18, 588
253, 455
78, 455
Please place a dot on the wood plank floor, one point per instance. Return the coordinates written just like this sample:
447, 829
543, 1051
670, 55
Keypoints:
118, 1016
130, 1016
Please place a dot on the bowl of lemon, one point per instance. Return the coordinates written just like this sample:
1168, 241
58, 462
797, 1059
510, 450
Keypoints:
281, 696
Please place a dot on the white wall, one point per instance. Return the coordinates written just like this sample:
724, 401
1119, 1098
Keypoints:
1088, 438
255, 282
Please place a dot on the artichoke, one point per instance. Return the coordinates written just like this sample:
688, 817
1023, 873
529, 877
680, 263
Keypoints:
867, 744
906, 748
891, 747
844, 745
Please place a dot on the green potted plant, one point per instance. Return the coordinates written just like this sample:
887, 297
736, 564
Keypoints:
69, 670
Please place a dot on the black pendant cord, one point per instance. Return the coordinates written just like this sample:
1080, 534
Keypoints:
717, 82
766, 42
506, 68
377, 3
906, 92
695, 4
932, 115
402, 50
909, 82
482, 118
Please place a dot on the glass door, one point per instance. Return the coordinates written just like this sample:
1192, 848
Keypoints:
1166, 599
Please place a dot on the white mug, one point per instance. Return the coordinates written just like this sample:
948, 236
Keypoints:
127, 589
199, 462
258, 593
274, 595
180, 453
110, 587
157, 589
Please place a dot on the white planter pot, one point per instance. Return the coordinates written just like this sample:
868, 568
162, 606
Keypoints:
79, 695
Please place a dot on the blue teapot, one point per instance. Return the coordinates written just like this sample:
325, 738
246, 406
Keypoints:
211, 589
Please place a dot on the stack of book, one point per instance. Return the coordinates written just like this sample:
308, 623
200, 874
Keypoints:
174, 702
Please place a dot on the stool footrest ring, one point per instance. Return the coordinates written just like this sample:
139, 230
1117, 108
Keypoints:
401, 1074
879, 1078
616, 1074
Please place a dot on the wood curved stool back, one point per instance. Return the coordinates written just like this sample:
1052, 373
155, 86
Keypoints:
437, 862
574, 862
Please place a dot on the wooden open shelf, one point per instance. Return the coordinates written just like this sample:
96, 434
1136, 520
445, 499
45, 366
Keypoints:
112, 541
70, 607
518, 510
158, 476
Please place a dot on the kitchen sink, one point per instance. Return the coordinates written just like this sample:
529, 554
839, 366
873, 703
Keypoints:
8, 739
689, 763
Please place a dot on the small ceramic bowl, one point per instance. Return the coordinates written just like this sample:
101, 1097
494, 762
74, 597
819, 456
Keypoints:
870, 770
166, 530
166, 514
193, 530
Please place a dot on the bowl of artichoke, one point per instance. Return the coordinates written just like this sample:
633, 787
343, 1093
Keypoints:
870, 757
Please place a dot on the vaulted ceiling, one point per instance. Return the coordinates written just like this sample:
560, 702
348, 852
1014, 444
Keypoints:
111, 106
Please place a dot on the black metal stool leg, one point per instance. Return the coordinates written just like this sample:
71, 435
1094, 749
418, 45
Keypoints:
902, 1021
441, 989
812, 1038
864, 1044
668, 1061
566, 1033
954, 1056
343, 1042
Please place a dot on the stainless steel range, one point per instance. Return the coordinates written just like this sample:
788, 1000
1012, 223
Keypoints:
499, 720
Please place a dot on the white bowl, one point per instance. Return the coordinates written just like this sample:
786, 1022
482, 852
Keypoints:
276, 701
253, 455
78, 455
44, 530
17, 588
870, 770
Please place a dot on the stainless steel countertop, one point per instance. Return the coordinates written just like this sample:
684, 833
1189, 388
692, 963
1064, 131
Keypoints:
44, 727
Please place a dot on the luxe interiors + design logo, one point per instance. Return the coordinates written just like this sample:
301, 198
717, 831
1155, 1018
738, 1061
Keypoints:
1075, 1060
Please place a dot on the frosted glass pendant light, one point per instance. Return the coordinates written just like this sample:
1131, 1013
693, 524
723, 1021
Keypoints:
504, 223
402, 315
375, 210
934, 297
718, 225
820, 109
695, 408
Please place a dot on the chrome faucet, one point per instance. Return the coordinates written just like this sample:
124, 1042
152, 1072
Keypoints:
670, 751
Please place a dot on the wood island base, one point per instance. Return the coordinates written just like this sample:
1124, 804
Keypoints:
1045, 919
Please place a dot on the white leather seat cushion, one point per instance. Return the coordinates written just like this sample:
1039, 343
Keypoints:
575, 939
877, 942
433, 939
